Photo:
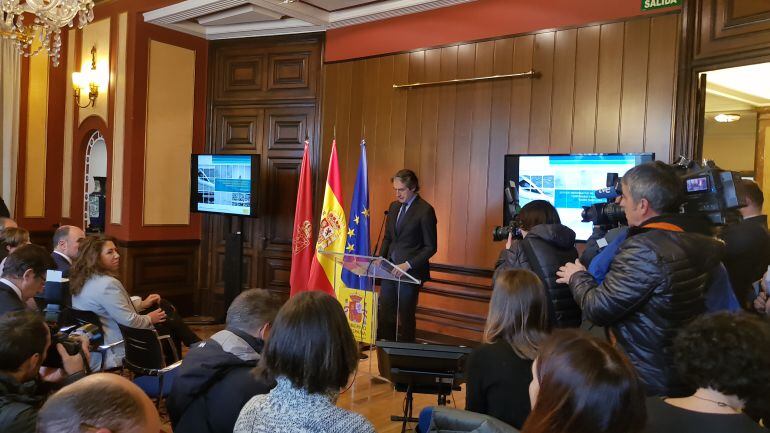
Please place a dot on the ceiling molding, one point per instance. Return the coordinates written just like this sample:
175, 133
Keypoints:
228, 19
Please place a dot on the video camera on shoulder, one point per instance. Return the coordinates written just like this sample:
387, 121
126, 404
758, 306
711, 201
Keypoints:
606, 215
709, 192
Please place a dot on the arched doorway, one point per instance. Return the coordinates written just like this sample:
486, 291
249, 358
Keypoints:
95, 184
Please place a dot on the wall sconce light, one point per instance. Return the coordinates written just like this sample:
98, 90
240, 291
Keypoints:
92, 79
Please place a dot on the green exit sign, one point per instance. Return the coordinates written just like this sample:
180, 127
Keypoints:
656, 4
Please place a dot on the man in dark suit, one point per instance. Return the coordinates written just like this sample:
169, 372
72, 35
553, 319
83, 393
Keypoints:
409, 242
748, 246
66, 246
23, 277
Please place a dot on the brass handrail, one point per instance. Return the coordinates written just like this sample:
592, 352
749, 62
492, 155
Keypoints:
529, 74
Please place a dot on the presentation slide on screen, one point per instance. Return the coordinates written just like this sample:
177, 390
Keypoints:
569, 182
224, 184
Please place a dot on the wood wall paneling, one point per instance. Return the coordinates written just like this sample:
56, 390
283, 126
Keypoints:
728, 27
264, 101
602, 88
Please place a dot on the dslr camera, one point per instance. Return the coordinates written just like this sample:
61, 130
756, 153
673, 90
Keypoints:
70, 338
500, 233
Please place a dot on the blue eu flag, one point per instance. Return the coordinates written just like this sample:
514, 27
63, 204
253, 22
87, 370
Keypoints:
358, 225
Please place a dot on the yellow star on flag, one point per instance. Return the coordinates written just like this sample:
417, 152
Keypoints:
356, 219
351, 232
349, 247
365, 212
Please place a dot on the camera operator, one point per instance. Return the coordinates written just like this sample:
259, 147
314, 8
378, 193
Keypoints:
545, 245
657, 280
748, 245
24, 342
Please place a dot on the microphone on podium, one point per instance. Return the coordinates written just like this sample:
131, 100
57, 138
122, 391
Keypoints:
377, 244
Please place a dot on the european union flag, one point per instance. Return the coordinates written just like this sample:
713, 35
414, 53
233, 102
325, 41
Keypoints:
358, 225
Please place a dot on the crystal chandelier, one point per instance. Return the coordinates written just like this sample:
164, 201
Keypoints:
45, 30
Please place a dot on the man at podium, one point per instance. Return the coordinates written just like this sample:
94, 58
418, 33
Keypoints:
409, 242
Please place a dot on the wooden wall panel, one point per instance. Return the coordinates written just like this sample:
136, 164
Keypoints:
601, 88
728, 27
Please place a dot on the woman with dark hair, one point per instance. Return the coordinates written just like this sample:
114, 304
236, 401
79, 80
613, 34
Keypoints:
725, 356
544, 247
95, 287
312, 355
583, 385
500, 370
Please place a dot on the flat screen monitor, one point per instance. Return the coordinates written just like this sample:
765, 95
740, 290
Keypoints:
567, 181
225, 184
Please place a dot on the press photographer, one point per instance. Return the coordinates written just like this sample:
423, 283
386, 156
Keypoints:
542, 245
24, 342
657, 281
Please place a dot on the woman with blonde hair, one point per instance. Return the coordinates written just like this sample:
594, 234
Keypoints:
499, 371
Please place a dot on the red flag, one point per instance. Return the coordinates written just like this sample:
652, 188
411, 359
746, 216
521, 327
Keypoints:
302, 251
324, 273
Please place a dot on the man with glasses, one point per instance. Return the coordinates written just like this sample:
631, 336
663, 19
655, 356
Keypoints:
23, 277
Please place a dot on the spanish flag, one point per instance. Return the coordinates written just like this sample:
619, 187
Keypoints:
331, 232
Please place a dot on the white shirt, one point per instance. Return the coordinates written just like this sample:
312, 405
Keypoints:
12, 286
69, 260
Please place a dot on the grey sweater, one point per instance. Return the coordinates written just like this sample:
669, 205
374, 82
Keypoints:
290, 410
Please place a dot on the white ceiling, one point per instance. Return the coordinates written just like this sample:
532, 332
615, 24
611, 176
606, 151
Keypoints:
227, 19
744, 85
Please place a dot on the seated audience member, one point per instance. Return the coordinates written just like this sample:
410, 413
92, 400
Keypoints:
66, 245
23, 277
657, 281
726, 357
499, 371
100, 403
10, 239
312, 356
747, 252
215, 380
581, 384
6, 223
24, 342
95, 287
545, 247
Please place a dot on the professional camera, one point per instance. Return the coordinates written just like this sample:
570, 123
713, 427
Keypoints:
70, 338
710, 191
610, 214
500, 233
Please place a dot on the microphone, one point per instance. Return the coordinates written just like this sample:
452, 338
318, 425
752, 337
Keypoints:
377, 244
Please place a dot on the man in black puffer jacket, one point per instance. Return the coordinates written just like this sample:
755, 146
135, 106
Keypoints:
657, 281
545, 247
215, 380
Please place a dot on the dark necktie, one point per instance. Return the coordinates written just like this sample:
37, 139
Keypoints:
400, 217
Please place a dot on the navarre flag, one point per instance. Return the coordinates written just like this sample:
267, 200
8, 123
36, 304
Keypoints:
325, 271
357, 297
302, 239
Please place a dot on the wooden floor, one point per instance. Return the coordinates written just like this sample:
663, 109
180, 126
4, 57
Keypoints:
377, 401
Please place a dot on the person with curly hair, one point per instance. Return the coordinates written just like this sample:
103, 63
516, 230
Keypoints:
581, 384
10, 239
95, 287
725, 356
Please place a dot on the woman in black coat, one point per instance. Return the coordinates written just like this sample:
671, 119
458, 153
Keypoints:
544, 247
